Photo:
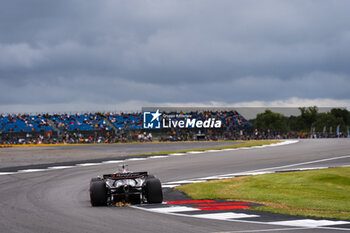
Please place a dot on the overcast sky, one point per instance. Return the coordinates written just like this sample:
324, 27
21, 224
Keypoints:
123, 55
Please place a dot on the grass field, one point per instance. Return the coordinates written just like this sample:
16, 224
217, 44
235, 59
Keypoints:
321, 193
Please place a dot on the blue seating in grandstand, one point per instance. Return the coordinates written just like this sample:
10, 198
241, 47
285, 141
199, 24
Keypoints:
20, 123
127, 121
85, 122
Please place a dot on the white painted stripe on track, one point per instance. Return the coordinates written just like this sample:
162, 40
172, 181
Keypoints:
185, 182
226, 216
31, 170
60, 167
303, 163
223, 177
211, 178
158, 157
252, 173
6, 173
167, 185
177, 154
266, 230
135, 159
88, 164
112, 161
245, 174
311, 168
309, 223
173, 209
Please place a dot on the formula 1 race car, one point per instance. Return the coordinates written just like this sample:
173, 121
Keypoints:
125, 186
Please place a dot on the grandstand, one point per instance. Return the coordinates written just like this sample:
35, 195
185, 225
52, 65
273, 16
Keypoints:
130, 121
24, 123
78, 122
106, 127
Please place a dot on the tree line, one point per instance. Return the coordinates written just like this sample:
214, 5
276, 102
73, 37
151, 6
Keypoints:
310, 121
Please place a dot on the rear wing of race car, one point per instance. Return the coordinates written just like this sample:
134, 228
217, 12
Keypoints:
128, 175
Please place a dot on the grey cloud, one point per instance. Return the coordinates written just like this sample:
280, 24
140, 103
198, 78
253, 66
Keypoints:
173, 51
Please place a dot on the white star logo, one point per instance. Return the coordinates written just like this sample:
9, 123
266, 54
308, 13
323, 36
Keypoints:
156, 115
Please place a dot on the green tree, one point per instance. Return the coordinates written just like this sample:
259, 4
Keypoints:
308, 116
296, 123
273, 121
327, 120
341, 114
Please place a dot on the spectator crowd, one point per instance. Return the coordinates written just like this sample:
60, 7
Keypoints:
108, 127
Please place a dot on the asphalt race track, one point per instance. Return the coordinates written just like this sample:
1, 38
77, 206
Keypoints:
57, 200
24, 156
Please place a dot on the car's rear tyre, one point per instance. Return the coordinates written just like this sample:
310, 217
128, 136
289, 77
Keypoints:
98, 193
154, 193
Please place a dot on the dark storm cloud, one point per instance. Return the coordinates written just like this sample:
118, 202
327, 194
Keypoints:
101, 52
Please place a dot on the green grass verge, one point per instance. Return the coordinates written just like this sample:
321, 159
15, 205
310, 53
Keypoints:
321, 193
239, 145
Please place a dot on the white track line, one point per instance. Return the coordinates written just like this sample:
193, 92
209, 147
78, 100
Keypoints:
266, 230
163, 186
185, 182
135, 159
173, 209
32, 170
112, 161
177, 154
195, 152
226, 216
304, 163
6, 173
59, 167
158, 157
87, 164
309, 223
